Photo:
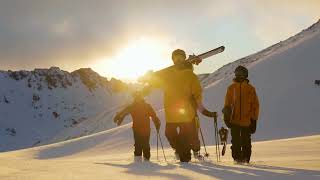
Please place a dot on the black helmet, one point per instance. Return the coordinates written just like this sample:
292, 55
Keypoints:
241, 71
178, 52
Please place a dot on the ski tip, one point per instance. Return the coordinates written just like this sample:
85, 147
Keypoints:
223, 48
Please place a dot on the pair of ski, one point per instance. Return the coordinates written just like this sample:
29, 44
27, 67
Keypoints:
119, 86
197, 59
192, 60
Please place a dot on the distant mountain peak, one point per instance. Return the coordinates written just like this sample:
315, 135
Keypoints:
55, 77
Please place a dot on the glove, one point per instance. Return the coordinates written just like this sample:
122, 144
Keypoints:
228, 123
209, 113
212, 114
116, 119
197, 59
253, 126
227, 116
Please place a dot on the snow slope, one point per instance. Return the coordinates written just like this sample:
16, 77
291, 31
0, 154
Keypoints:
108, 155
36, 106
284, 77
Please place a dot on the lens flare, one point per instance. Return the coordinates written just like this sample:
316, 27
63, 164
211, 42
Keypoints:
136, 59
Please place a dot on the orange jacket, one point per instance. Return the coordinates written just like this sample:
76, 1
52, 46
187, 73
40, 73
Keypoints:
243, 100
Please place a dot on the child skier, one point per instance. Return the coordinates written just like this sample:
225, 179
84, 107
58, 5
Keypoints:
241, 112
140, 112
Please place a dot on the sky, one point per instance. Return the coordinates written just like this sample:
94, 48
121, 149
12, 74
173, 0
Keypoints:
125, 38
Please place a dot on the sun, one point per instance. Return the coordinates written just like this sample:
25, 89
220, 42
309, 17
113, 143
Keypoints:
135, 59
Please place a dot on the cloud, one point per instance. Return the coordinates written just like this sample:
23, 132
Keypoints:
72, 34
274, 20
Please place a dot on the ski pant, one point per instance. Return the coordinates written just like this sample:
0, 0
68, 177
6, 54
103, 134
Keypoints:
180, 140
141, 144
241, 143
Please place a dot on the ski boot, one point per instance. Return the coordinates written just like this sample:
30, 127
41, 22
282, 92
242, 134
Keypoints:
176, 154
137, 159
146, 160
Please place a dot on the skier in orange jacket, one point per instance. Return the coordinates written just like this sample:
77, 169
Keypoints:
241, 112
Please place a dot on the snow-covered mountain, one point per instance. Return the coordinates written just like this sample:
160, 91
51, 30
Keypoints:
284, 76
36, 106
227, 70
50, 105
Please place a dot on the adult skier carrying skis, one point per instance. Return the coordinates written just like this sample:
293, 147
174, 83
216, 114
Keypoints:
181, 86
241, 112
141, 112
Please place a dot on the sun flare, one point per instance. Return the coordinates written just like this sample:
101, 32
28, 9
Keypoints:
135, 59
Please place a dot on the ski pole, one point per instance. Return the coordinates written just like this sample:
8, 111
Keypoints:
162, 147
217, 137
218, 141
158, 146
204, 144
